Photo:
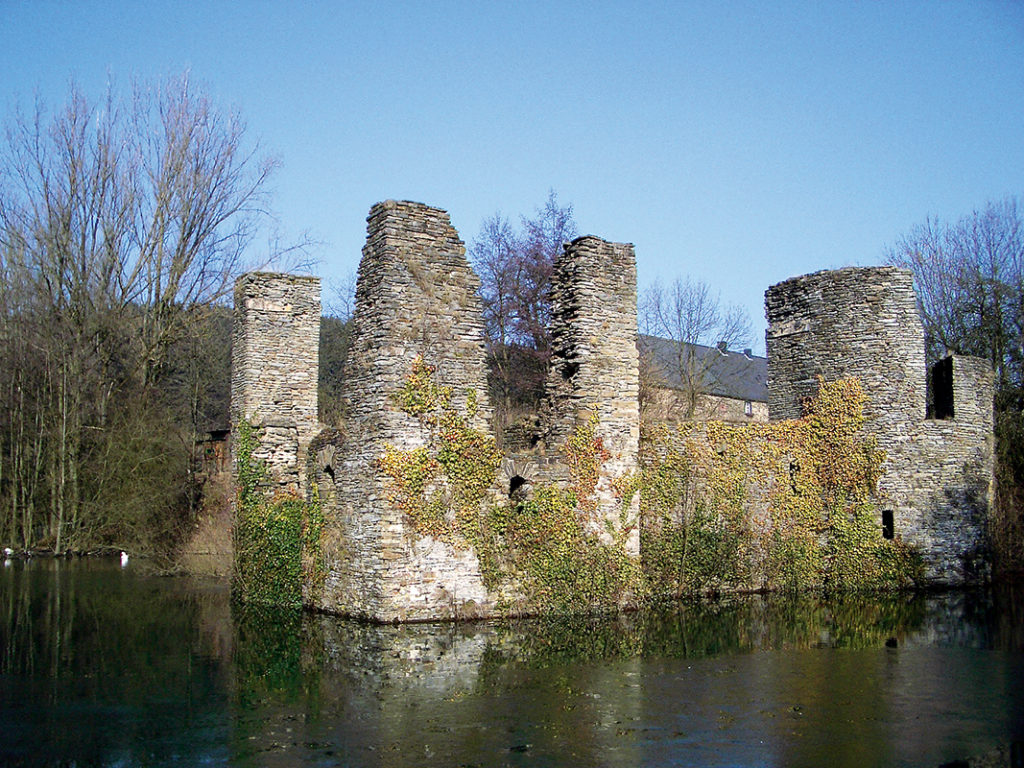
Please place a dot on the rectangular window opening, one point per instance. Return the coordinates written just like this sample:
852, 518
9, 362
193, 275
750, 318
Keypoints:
941, 400
888, 524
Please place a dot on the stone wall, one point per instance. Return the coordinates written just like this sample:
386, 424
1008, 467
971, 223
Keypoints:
595, 365
415, 296
864, 323
853, 322
939, 482
274, 369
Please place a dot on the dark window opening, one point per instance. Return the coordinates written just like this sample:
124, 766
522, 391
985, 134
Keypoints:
329, 471
942, 389
569, 370
515, 486
888, 524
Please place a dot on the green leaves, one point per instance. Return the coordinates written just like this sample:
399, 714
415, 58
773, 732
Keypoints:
277, 536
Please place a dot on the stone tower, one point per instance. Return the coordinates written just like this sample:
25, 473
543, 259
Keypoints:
595, 367
274, 366
863, 322
853, 322
415, 296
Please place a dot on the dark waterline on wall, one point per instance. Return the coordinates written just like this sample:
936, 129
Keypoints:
108, 666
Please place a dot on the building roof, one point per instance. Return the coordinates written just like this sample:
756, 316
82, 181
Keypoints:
739, 375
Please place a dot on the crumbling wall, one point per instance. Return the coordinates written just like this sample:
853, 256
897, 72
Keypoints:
594, 370
939, 482
864, 323
274, 368
415, 296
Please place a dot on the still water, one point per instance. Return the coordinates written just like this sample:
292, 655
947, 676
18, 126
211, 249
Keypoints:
115, 667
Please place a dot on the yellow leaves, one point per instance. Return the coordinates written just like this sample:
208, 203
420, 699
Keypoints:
585, 453
441, 485
420, 395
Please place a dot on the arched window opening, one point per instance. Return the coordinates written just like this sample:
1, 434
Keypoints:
516, 487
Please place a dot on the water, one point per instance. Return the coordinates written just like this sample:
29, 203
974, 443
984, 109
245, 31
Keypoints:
110, 667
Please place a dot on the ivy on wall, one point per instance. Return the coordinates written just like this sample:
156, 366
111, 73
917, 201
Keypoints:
536, 552
277, 534
785, 505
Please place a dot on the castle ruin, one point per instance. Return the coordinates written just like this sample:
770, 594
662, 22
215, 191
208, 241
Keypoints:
417, 299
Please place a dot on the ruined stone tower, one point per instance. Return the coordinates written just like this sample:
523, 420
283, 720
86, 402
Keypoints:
595, 368
275, 361
415, 296
863, 322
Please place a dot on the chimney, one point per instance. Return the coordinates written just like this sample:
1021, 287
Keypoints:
723, 347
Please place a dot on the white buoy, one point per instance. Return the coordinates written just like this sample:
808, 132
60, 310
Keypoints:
8, 551
124, 559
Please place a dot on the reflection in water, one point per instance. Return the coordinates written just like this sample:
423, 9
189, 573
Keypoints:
111, 667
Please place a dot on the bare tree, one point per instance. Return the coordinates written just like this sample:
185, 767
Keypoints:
121, 223
515, 268
694, 322
335, 342
970, 281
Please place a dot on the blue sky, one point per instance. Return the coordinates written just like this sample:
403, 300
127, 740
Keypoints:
738, 142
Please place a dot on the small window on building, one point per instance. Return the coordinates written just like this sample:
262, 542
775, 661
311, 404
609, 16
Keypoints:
748, 408
888, 524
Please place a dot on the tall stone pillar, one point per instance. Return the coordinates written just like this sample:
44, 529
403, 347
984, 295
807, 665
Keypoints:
274, 368
415, 297
595, 367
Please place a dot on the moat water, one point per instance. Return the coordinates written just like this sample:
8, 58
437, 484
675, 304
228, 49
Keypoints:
107, 666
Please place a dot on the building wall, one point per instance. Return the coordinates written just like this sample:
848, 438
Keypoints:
670, 405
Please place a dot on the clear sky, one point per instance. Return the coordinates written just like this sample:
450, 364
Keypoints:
738, 142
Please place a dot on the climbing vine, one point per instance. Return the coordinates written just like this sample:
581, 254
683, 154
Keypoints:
442, 486
277, 534
784, 505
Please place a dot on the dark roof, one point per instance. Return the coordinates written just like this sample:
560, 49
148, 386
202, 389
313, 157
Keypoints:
727, 374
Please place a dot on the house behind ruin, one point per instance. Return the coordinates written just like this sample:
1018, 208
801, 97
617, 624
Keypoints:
682, 381
417, 300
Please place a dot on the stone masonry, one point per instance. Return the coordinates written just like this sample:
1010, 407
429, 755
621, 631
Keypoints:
938, 474
595, 367
415, 296
274, 368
